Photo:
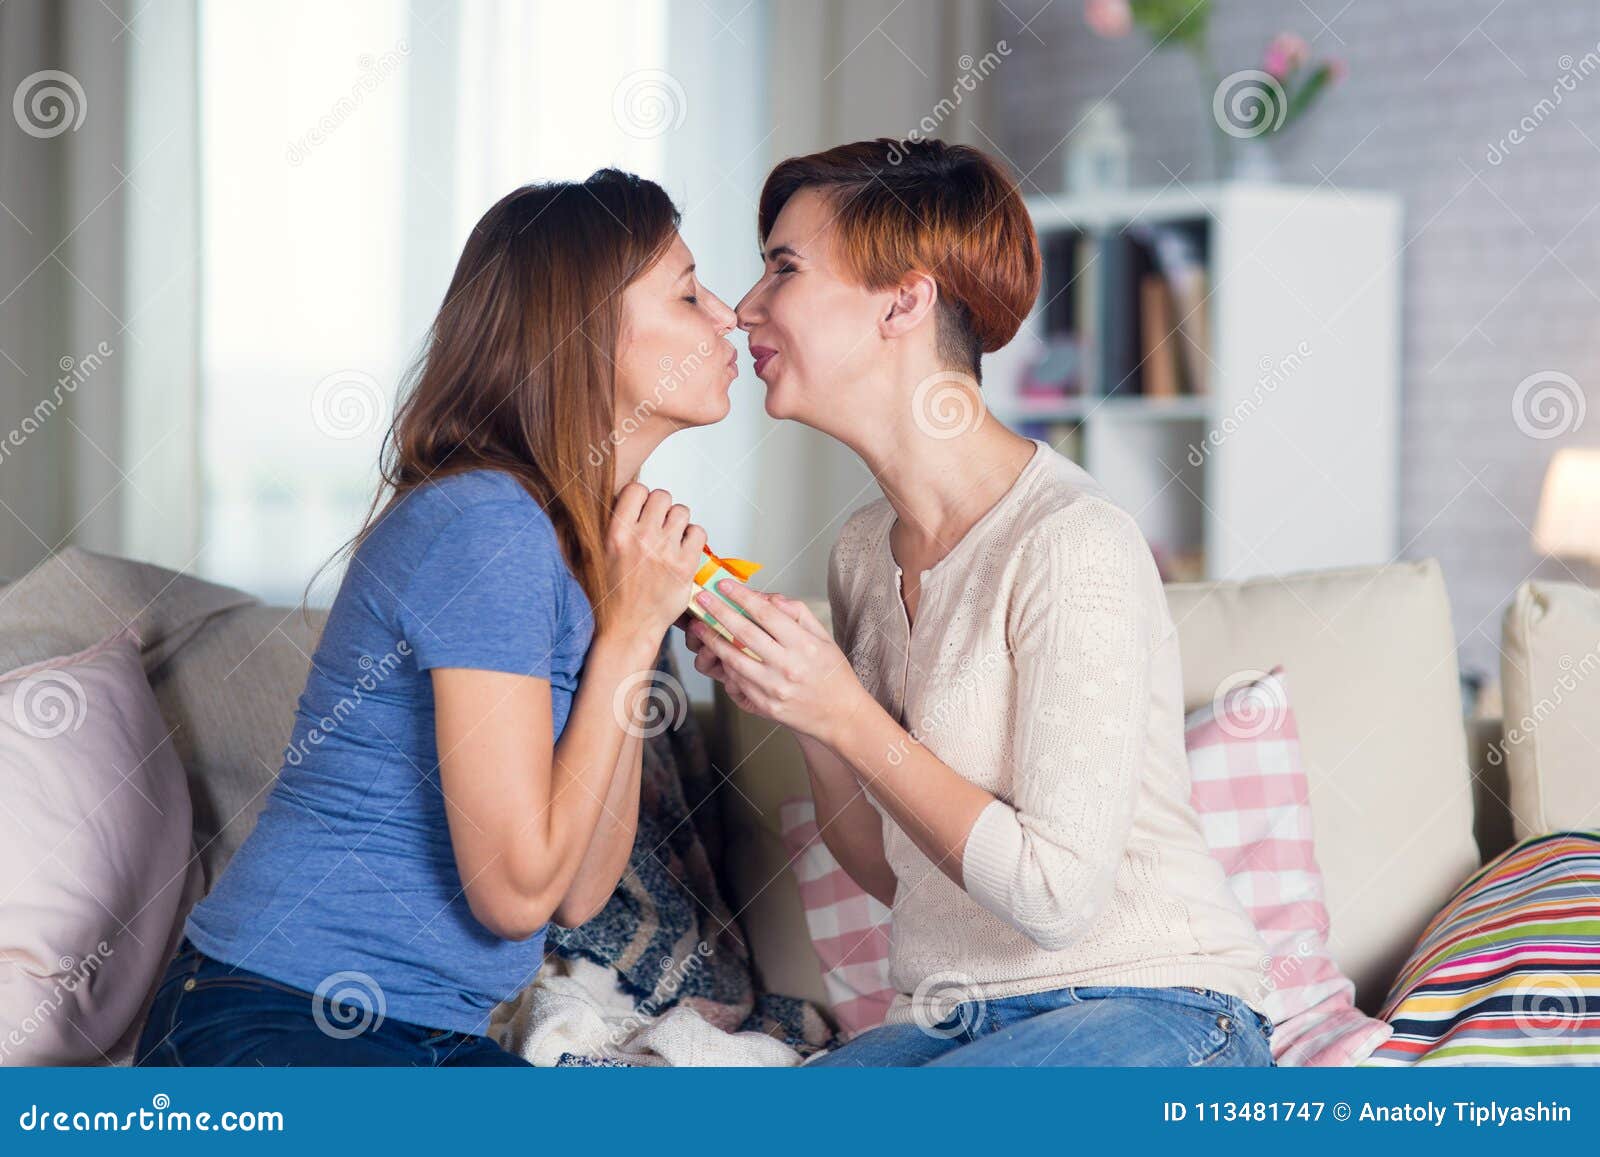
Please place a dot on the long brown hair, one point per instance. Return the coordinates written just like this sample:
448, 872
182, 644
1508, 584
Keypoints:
518, 370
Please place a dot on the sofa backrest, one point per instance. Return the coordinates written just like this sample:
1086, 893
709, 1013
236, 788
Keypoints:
1369, 655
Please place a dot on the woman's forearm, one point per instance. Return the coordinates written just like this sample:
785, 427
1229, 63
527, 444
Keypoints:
934, 805
587, 761
606, 860
850, 826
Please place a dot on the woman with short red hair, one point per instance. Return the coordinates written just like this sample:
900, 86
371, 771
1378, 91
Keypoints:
996, 743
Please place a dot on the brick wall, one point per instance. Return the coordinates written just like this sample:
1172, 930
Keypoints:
1502, 258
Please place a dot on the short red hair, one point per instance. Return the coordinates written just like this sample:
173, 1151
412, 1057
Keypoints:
950, 211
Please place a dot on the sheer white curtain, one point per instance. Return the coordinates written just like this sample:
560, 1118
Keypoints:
344, 151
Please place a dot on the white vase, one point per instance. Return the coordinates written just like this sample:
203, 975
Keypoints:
1255, 160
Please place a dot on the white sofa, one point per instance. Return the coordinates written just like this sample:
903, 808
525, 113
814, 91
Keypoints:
1406, 802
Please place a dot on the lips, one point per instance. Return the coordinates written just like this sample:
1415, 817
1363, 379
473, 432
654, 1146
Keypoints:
763, 355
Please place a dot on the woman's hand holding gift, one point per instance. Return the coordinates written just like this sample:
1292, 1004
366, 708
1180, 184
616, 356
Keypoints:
801, 680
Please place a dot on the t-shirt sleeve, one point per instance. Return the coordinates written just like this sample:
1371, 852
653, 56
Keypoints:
1082, 633
489, 592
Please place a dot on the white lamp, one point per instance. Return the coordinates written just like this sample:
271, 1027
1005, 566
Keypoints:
1568, 523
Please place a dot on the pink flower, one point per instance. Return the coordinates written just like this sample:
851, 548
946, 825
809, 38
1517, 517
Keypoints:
1108, 18
1337, 71
1286, 53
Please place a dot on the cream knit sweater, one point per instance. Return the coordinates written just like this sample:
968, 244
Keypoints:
1043, 667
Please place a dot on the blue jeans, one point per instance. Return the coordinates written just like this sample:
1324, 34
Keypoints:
1097, 1026
208, 1013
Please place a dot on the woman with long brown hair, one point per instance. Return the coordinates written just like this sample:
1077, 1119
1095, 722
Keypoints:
452, 785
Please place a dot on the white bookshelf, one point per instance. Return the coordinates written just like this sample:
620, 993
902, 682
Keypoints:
1288, 460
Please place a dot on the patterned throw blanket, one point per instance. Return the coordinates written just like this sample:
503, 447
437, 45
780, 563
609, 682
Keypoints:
665, 959
1508, 972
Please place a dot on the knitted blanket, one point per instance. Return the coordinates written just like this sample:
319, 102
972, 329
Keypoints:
663, 974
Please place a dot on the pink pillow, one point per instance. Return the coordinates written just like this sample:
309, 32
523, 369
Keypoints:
849, 929
95, 843
1249, 788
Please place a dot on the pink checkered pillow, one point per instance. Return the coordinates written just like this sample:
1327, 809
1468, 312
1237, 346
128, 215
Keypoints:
849, 929
1249, 788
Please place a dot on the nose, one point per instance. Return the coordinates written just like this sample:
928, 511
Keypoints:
721, 314
748, 310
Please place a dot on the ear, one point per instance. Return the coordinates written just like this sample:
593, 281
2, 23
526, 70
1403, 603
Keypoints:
911, 302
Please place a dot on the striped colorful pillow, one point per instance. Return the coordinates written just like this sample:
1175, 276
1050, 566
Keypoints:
849, 929
1250, 791
1508, 972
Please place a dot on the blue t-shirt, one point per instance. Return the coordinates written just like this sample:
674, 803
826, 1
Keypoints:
350, 866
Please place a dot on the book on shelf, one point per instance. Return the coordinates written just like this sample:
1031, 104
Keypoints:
1157, 340
1175, 254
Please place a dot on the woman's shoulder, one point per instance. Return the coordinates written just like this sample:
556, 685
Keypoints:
1066, 500
483, 496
